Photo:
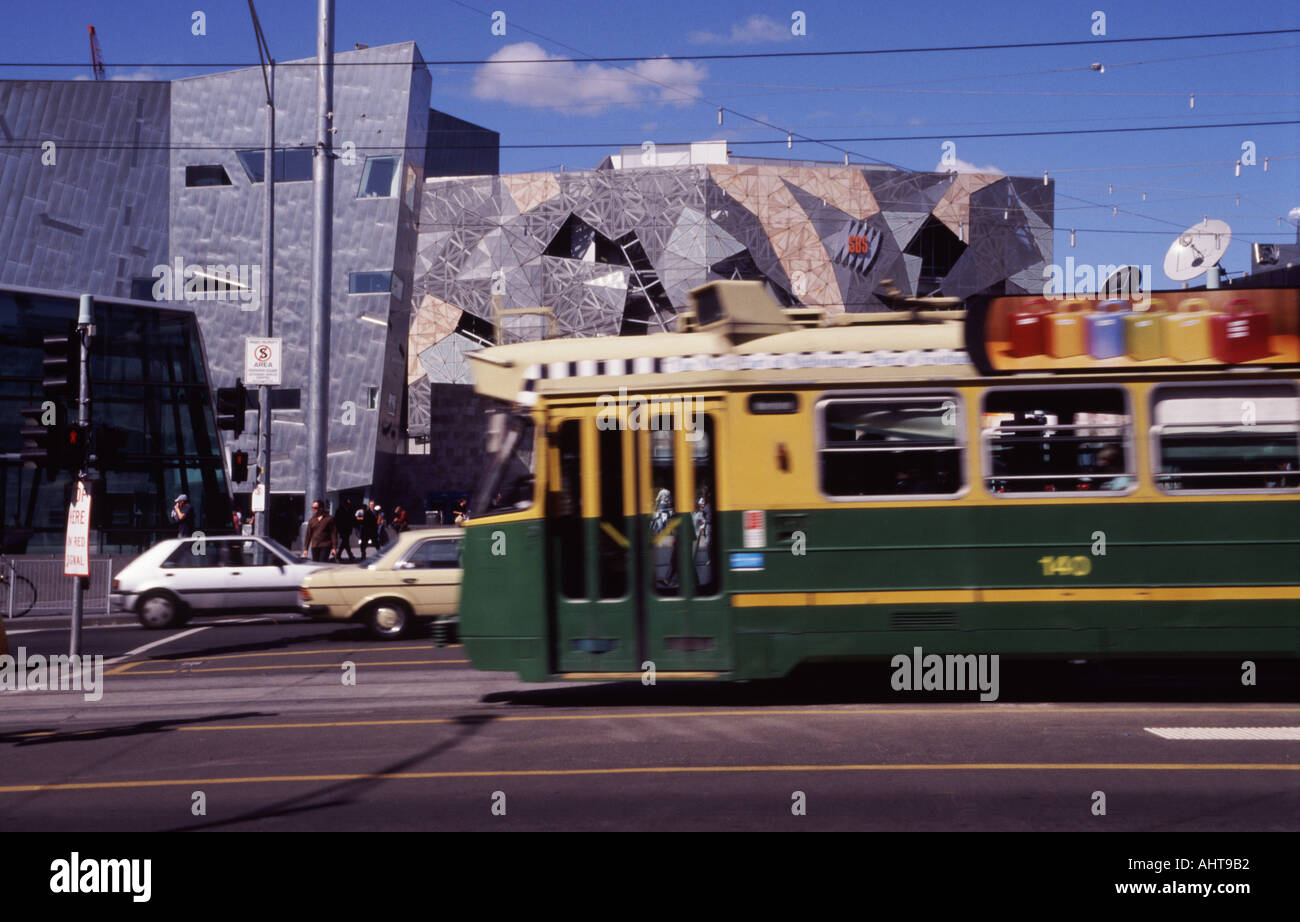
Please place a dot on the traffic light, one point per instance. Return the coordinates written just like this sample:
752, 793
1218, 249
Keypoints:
74, 447
42, 435
62, 375
239, 466
231, 403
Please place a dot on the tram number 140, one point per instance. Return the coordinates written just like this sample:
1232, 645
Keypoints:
1065, 566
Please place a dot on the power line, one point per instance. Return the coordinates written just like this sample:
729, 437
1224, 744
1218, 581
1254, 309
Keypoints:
738, 56
604, 145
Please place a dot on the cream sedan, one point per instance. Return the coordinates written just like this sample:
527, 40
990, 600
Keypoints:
415, 577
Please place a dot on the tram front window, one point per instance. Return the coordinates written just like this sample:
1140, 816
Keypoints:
507, 484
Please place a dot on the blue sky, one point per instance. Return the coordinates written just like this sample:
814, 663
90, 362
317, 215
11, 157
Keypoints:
1126, 195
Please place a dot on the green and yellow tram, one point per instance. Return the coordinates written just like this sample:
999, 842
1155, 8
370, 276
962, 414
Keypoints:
754, 492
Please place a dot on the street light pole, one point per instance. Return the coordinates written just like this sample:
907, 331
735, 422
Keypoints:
262, 520
318, 371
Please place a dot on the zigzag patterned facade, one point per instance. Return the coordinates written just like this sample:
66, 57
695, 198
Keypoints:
612, 251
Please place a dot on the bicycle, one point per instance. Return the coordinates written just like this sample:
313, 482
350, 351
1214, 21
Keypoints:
18, 597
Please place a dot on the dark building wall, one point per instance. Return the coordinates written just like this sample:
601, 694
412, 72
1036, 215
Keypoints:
456, 147
149, 384
97, 216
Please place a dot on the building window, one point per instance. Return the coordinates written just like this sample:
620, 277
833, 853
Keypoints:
379, 178
212, 174
1236, 439
372, 397
408, 193
1058, 439
886, 447
939, 249
373, 283
292, 165
142, 289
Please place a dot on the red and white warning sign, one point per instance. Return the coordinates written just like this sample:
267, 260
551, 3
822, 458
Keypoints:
755, 528
263, 360
76, 547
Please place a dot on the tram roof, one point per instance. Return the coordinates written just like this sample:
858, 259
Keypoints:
744, 338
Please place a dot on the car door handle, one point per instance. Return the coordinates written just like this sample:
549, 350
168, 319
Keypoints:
234, 572
410, 579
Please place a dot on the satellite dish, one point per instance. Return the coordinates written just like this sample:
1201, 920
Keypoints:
1123, 281
1197, 249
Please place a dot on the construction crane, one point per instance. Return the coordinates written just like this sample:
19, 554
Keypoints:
96, 56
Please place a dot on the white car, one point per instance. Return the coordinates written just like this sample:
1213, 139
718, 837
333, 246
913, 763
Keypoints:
215, 574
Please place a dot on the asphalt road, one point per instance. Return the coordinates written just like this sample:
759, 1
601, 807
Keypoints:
252, 718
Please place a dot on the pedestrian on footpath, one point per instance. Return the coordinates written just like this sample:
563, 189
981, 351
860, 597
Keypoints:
322, 535
346, 523
183, 516
366, 515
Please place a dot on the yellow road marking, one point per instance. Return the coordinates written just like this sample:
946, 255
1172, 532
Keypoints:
335, 665
118, 670
810, 712
671, 770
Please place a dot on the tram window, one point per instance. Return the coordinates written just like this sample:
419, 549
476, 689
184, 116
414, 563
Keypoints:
1237, 439
613, 524
1050, 439
567, 513
891, 446
704, 541
507, 483
664, 521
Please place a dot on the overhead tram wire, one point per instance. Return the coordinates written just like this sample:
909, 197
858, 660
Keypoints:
575, 145
738, 56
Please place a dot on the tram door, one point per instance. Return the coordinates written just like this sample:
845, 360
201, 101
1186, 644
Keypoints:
591, 551
687, 622
634, 547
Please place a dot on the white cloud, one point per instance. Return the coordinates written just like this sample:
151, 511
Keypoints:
584, 89
144, 73
963, 166
756, 28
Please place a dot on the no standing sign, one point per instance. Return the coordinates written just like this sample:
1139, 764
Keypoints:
263, 361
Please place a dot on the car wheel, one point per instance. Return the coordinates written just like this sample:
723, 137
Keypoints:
388, 619
160, 611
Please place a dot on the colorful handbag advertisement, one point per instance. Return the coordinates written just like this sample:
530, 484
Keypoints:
1239, 335
1234, 326
1144, 332
1105, 328
1028, 336
1065, 336
1187, 330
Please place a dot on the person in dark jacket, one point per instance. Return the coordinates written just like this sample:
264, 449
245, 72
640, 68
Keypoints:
183, 515
346, 523
369, 533
322, 535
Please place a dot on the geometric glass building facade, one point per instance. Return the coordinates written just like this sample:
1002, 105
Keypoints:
149, 386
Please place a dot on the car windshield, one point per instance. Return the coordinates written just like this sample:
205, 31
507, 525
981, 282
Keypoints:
369, 562
288, 555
